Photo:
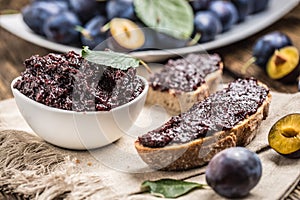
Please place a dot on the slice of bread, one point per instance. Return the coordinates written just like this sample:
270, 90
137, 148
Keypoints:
200, 151
204, 70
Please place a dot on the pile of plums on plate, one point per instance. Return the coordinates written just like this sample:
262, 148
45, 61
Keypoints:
214, 17
91, 22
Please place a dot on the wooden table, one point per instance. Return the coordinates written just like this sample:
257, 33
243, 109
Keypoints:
13, 51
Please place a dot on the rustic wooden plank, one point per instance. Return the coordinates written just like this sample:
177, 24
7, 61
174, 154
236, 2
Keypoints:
12, 5
5, 93
7, 73
16, 50
13, 52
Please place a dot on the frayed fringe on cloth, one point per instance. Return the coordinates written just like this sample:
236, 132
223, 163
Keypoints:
33, 169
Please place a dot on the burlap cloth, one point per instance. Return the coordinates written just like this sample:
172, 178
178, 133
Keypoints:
31, 168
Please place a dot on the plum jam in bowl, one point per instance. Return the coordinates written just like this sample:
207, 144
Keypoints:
79, 130
74, 103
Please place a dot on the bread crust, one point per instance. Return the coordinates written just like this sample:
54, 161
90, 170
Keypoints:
200, 151
176, 102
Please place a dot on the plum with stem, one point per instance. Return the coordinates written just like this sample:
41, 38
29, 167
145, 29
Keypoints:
207, 24
156, 40
164, 41
266, 45
92, 34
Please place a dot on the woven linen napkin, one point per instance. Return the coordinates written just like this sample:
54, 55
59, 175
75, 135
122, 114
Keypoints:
34, 169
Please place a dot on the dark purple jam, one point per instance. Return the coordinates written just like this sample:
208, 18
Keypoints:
67, 81
220, 111
185, 74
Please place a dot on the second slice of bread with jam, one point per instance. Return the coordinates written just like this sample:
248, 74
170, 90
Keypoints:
184, 81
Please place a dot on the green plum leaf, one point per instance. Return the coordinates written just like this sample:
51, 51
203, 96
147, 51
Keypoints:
169, 188
173, 17
112, 59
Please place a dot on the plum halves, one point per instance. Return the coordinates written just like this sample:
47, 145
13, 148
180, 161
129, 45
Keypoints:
284, 65
284, 136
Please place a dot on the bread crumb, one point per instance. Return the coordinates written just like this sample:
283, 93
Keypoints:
77, 161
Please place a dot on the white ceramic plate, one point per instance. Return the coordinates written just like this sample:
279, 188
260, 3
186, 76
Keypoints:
253, 24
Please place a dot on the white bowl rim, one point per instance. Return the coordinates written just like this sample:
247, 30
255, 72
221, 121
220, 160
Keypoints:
144, 92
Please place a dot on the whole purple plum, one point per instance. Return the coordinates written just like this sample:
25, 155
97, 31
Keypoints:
233, 172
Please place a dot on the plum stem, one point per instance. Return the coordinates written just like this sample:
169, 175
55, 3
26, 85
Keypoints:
84, 32
194, 40
146, 66
247, 65
105, 27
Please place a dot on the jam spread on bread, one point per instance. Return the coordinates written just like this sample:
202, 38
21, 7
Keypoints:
220, 111
67, 81
185, 74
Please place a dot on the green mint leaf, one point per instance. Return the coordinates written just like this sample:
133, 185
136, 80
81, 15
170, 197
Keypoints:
169, 188
109, 58
173, 17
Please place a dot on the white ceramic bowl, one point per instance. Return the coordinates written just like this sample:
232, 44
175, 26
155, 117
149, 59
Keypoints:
79, 130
